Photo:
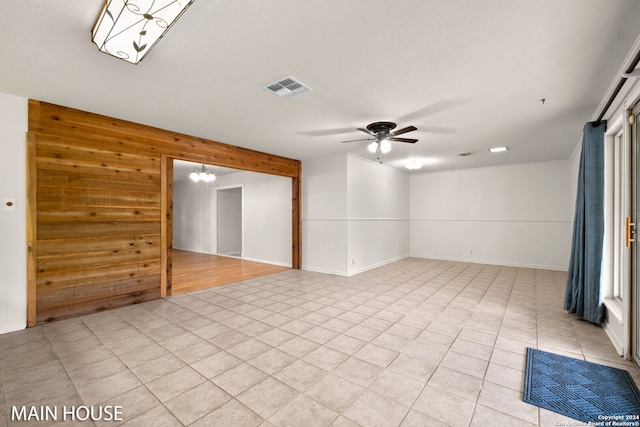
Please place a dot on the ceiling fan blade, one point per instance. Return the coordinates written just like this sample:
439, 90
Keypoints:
356, 140
366, 131
403, 130
409, 140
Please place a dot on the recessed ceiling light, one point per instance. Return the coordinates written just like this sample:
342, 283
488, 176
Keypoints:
412, 165
498, 149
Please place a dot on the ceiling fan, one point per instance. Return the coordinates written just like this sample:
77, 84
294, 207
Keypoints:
382, 134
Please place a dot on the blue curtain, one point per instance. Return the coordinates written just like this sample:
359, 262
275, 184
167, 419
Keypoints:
583, 296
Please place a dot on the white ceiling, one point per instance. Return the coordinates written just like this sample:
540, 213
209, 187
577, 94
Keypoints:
468, 74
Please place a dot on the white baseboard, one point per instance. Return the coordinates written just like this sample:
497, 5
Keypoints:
324, 271
281, 264
193, 250
376, 265
354, 272
492, 262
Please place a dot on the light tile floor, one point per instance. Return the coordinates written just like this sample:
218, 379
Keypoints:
414, 343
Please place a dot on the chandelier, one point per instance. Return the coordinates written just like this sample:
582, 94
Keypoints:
202, 174
129, 29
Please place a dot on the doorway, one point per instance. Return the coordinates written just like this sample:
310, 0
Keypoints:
229, 222
235, 228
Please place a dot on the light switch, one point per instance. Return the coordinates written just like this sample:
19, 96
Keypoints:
9, 204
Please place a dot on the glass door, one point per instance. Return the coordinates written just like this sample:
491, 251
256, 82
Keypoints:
635, 253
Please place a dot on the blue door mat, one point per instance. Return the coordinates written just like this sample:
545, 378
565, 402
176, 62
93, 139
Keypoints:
581, 390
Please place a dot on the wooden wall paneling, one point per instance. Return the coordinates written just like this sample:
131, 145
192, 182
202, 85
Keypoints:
90, 291
91, 181
95, 230
92, 204
296, 231
32, 230
96, 298
73, 154
51, 265
62, 121
65, 213
100, 215
167, 227
110, 246
74, 196
58, 279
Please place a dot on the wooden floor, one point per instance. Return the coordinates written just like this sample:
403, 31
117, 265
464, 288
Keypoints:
193, 271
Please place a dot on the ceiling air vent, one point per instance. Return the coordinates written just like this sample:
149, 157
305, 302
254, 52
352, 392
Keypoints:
287, 87
465, 154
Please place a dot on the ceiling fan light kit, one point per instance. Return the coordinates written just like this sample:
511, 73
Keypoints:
129, 29
382, 135
383, 146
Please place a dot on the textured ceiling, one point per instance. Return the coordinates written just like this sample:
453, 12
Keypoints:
468, 74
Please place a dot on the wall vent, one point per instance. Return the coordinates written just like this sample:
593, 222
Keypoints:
464, 154
287, 87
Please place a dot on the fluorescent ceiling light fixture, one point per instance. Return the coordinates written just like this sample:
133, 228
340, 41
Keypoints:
129, 29
498, 149
202, 175
413, 165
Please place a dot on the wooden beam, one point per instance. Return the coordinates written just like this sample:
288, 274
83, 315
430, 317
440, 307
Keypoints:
51, 119
166, 287
296, 232
32, 230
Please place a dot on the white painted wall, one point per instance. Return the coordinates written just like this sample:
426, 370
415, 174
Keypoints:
355, 214
508, 215
267, 219
13, 227
266, 216
574, 169
194, 219
324, 214
378, 214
